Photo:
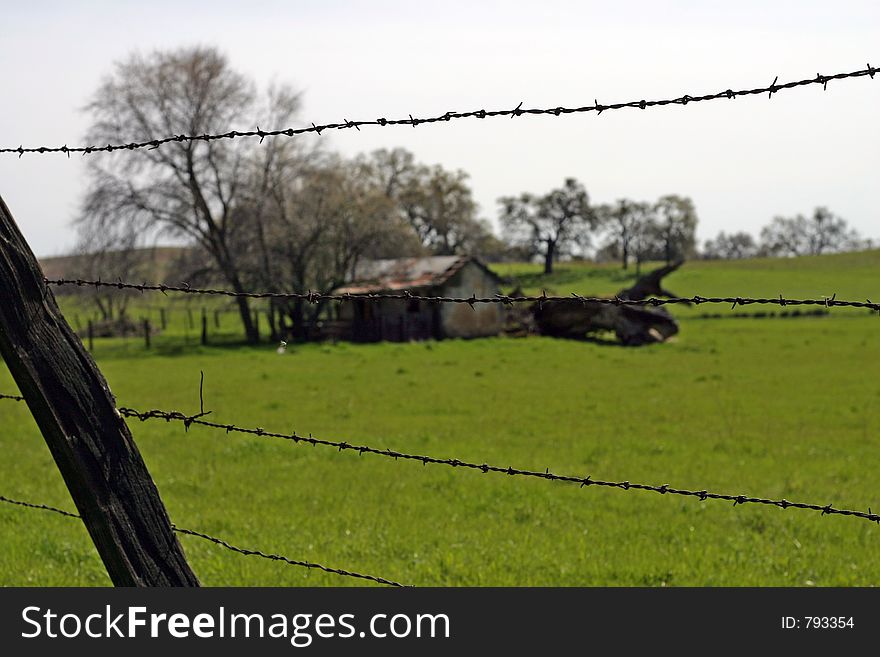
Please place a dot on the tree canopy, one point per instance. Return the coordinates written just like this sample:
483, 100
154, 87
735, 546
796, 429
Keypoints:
552, 224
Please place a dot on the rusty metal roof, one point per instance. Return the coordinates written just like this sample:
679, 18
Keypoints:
405, 273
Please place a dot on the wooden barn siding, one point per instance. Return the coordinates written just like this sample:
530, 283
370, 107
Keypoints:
393, 321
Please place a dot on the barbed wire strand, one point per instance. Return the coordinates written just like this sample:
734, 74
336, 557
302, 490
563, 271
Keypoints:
41, 507
703, 495
17, 398
517, 111
224, 544
278, 557
315, 297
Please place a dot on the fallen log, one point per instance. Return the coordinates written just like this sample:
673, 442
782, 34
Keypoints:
632, 325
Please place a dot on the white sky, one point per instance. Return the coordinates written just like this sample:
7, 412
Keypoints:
742, 161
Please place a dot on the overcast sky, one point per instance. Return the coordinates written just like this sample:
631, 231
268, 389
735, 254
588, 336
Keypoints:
742, 161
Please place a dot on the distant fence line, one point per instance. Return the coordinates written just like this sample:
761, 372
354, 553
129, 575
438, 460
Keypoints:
222, 543
517, 111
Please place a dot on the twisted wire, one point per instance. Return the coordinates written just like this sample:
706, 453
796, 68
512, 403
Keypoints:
664, 489
316, 297
517, 111
226, 545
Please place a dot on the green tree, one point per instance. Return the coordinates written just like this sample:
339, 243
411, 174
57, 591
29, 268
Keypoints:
624, 223
823, 232
730, 247
437, 203
549, 225
675, 231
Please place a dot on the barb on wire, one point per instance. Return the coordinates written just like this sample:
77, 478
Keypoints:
775, 87
825, 509
224, 544
316, 297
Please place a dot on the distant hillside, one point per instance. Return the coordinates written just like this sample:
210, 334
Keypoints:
854, 276
160, 262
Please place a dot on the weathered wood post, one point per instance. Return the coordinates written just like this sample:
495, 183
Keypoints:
76, 412
189, 319
257, 325
147, 333
162, 319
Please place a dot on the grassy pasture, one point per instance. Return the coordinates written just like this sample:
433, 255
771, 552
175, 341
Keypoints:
768, 407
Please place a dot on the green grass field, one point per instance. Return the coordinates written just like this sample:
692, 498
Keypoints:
781, 408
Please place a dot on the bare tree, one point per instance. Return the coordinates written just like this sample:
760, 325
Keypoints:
549, 224
103, 252
730, 247
186, 189
823, 232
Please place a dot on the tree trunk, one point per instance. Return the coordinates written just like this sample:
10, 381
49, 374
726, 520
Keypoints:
297, 319
549, 256
244, 311
227, 266
270, 316
633, 325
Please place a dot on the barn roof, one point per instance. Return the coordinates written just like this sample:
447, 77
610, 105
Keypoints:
407, 273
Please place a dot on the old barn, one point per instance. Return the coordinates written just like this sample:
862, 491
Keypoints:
401, 320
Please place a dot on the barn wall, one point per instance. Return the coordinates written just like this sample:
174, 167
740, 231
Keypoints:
458, 320
388, 319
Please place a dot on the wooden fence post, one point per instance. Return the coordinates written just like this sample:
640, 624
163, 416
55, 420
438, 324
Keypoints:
204, 326
76, 413
162, 318
147, 333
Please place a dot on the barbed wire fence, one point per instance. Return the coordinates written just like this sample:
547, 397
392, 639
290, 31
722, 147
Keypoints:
410, 120
317, 297
224, 544
189, 420
586, 481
